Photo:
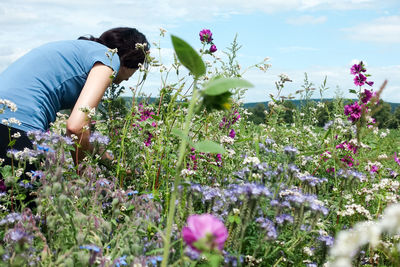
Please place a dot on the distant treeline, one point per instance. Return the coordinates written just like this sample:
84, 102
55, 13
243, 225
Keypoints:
299, 103
387, 115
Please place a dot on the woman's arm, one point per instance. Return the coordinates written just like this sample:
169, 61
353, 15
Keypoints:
96, 84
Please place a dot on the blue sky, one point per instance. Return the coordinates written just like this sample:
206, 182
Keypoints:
320, 37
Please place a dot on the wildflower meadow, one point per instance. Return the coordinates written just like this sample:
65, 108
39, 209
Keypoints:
193, 182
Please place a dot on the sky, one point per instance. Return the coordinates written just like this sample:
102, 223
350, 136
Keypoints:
322, 38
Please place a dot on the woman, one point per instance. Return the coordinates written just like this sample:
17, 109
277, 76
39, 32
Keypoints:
63, 75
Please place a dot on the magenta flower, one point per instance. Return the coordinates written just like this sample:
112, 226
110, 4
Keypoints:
374, 168
232, 133
396, 158
370, 83
353, 111
206, 36
213, 48
205, 229
366, 96
357, 68
360, 80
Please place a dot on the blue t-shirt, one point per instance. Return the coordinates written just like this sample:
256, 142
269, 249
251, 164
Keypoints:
48, 79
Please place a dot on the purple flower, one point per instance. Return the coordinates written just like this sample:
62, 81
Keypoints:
366, 96
328, 240
370, 83
232, 133
97, 137
280, 219
206, 36
374, 168
360, 80
203, 228
357, 68
396, 158
213, 48
268, 226
353, 111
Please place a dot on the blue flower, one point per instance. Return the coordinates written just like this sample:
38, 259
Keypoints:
121, 261
93, 248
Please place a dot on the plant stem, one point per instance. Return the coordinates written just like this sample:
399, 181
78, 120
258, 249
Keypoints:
171, 211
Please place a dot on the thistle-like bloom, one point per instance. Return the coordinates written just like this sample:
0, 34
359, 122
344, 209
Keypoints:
207, 229
213, 48
206, 36
360, 80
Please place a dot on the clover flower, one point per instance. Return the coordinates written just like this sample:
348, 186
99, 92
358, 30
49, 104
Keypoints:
204, 232
205, 36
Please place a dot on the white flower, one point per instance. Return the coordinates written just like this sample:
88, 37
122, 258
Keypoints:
186, 172
227, 139
16, 135
251, 160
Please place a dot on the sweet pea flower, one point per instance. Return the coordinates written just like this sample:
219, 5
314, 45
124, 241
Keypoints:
206, 36
205, 232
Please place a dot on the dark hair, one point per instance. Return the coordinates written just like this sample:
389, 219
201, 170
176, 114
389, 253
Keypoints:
125, 40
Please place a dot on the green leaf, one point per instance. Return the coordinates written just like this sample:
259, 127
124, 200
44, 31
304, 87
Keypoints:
188, 57
12, 143
221, 85
208, 146
182, 136
352, 91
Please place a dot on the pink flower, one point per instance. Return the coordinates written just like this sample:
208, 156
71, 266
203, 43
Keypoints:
370, 83
357, 68
360, 80
366, 96
396, 158
206, 228
213, 48
374, 168
353, 111
232, 133
205, 36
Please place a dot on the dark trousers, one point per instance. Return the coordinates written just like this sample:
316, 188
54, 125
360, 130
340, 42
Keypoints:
21, 142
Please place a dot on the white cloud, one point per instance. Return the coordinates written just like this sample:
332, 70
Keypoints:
381, 30
306, 19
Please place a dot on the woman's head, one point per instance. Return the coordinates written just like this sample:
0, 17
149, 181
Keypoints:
125, 40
